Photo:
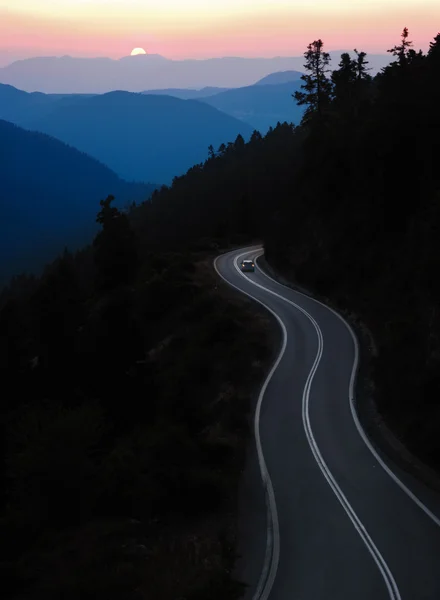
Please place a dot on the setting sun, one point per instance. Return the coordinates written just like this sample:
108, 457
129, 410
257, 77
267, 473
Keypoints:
137, 51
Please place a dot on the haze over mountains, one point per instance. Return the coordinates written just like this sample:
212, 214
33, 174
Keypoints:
194, 93
151, 71
49, 199
262, 106
140, 137
280, 77
187, 93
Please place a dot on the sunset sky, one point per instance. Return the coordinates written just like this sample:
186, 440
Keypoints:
210, 28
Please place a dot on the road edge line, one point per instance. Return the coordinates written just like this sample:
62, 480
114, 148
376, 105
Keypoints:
271, 559
352, 400
385, 571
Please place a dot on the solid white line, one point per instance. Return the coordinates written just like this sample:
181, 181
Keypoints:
359, 427
272, 553
392, 588
390, 583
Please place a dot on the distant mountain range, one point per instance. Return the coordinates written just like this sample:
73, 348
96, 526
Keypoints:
195, 94
49, 198
149, 72
280, 77
187, 94
140, 137
16, 105
260, 105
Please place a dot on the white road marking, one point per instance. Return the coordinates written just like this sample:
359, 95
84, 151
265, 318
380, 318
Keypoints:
359, 427
272, 553
390, 583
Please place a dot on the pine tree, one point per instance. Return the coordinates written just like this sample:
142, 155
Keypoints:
317, 87
434, 49
360, 66
350, 84
239, 143
343, 80
402, 51
115, 248
256, 136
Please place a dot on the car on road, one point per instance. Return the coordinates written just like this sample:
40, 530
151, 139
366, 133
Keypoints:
247, 265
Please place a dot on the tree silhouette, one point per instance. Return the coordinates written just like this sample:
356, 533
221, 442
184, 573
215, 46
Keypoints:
343, 81
350, 84
360, 66
317, 88
256, 136
401, 51
239, 142
115, 248
434, 49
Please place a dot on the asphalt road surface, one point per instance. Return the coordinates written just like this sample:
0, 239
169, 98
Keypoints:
340, 521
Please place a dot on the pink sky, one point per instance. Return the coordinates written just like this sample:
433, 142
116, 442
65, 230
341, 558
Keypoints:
196, 29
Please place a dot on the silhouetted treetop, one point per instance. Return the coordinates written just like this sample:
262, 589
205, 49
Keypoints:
317, 87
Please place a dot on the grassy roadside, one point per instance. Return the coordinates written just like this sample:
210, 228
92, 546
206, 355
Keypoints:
158, 496
379, 433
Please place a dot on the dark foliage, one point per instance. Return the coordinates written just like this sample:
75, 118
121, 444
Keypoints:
346, 204
124, 422
316, 92
360, 226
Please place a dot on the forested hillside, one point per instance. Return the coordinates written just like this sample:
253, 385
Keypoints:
360, 224
126, 412
48, 198
125, 422
347, 204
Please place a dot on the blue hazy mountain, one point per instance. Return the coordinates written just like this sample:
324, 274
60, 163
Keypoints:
261, 106
16, 104
280, 77
187, 94
49, 198
69, 75
140, 137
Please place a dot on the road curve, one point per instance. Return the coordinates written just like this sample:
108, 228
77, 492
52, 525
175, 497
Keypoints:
342, 522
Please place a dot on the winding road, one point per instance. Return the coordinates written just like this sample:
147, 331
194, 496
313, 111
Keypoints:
340, 520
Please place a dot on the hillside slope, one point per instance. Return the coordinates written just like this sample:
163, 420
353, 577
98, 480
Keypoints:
50, 195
